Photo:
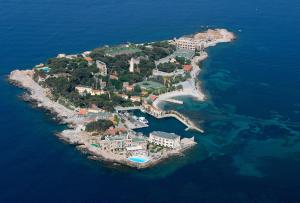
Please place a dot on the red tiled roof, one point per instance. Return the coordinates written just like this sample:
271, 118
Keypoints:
88, 59
153, 97
82, 111
187, 68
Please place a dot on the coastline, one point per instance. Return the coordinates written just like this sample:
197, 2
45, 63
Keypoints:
76, 134
193, 87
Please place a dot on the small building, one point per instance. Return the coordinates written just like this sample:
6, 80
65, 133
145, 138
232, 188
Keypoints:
97, 92
173, 60
187, 68
82, 112
153, 97
86, 53
125, 84
127, 87
113, 77
114, 143
170, 140
61, 56
39, 65
95, 110
124, 96
71, 56
89, 60
102, 68
83, 89
135, 99
102, 84
132, 63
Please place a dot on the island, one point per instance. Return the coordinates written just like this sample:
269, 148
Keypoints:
94, 93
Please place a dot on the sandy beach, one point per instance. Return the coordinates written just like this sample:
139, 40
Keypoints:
192, 87
78, 136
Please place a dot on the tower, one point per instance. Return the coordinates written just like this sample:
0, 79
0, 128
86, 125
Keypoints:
131, 65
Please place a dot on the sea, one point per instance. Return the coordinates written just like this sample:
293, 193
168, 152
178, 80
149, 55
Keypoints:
250, 151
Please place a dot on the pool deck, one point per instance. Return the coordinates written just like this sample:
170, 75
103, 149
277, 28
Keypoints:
84, 143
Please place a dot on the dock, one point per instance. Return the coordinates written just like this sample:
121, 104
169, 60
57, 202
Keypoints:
130, 108
175, 101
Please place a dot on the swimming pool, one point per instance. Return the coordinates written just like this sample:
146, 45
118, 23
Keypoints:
138, 159
46, 69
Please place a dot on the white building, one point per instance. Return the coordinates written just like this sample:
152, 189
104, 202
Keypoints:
83, 90
188, 43
102, 68
61, 56
132, 63
135, 99
170, 140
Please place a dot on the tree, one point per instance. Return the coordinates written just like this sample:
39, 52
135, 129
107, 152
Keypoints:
137, 90
167, 67
98, 126
58, 65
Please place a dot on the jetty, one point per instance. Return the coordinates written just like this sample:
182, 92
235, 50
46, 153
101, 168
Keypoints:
175, 101
187, 122
98, 124
130, 108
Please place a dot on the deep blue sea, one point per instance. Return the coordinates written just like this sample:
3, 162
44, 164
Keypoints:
250, 151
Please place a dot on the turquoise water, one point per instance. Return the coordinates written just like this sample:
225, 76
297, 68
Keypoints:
250, 151
138, 159
46, 69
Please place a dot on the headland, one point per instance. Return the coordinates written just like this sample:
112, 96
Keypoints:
93, 92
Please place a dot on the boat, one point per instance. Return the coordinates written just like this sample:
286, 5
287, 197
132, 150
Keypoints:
143, 120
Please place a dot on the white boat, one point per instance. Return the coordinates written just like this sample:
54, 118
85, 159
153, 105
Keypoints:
143, 120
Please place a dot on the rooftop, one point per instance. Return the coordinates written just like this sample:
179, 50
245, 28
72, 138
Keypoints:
138, 139
116, 137
165, 135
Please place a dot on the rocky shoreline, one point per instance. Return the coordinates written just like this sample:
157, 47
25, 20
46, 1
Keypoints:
83, 140
74, 135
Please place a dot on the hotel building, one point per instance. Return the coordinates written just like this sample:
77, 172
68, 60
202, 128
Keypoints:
188, 43
170, 140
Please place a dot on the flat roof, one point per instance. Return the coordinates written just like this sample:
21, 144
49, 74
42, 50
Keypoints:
138, 139
165, 135
116, 137
135, 148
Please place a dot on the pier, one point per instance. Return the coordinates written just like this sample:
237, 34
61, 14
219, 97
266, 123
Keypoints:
130, 108
188, 123
175, 101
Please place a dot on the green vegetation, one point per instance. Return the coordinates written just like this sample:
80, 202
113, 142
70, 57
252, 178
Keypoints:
153, 148
158, 50
137, 90
151, 85
66, 73
122, 49
168, 67
98, 126
183, 60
